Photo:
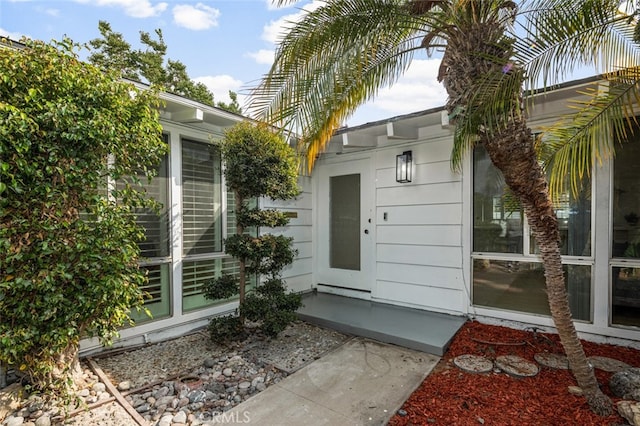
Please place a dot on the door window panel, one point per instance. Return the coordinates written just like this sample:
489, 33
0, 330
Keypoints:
344, 244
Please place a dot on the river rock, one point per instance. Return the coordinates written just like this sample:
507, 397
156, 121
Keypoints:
630, 410
180, 417
626, 384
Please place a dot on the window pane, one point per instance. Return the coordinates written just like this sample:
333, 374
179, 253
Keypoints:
155, 223
497, 217
195, 274
626, 200
344, 196
574, 222
201, 198
625, 296
520, 286
159, 288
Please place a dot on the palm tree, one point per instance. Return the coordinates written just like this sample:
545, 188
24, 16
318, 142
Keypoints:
561, 35
340, 54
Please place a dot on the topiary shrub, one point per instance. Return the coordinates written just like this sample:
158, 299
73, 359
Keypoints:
272, 306
258, 163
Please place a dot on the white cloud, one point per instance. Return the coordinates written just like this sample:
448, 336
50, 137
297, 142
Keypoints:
273, 31
198, 17
13, 35
134, 8
220, 85
418, 89
262, 56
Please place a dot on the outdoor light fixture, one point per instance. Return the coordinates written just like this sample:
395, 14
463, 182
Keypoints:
403, 167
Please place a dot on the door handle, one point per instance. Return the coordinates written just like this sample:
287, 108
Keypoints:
366, 231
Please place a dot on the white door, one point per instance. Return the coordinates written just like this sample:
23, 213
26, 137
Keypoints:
346, 226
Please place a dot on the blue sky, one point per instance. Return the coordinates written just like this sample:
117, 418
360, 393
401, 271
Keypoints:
228, 45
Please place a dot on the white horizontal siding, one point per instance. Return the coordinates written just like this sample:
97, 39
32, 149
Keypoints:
298, 275
421, 275
422, 174
434, 234
419, 230
424, 214
437, 193
438, 256
424, 297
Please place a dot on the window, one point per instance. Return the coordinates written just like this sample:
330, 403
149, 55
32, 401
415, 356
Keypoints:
201, 198
155, 248
625, 244
507, 271
497, 216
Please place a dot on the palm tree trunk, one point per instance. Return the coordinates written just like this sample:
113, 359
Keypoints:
513, 153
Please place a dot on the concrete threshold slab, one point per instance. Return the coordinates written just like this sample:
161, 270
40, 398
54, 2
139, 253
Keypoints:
362, 382
417, 329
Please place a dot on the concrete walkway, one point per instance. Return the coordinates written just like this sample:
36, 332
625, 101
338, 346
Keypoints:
363, 382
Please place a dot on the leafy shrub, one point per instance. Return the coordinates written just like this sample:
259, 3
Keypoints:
225, 329
68, 254
271, 305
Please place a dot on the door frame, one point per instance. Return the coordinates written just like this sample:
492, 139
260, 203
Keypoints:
332, 280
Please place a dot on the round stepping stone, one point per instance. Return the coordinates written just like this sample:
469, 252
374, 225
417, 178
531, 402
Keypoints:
607, 364
473, 363
556, 361
516, 366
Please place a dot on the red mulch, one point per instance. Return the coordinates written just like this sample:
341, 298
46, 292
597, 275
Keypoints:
449, 396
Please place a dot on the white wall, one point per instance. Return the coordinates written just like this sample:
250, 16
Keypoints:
297, 275
418, 245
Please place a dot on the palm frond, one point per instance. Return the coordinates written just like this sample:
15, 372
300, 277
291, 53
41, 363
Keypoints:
562, 35
603, 115
331, 62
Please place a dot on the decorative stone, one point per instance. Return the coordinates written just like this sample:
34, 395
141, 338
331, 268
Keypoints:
227, 372
180, 417
576, 390
98, 387
10, 399
516, 366
257, 380
555, 361
196, 396
124, 386
13, 421
630, 410
607, 364
165, 420
626, 384
143, 408
43, 421
473, 363
209, 363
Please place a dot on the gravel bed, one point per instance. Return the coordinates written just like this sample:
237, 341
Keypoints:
188, 380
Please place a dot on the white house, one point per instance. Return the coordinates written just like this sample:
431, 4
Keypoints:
442, 242
453, 243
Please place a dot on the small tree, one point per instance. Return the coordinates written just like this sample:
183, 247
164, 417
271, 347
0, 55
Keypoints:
114, 53
68, 253
258, 163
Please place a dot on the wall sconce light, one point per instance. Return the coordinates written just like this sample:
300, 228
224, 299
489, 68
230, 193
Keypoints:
403, 167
